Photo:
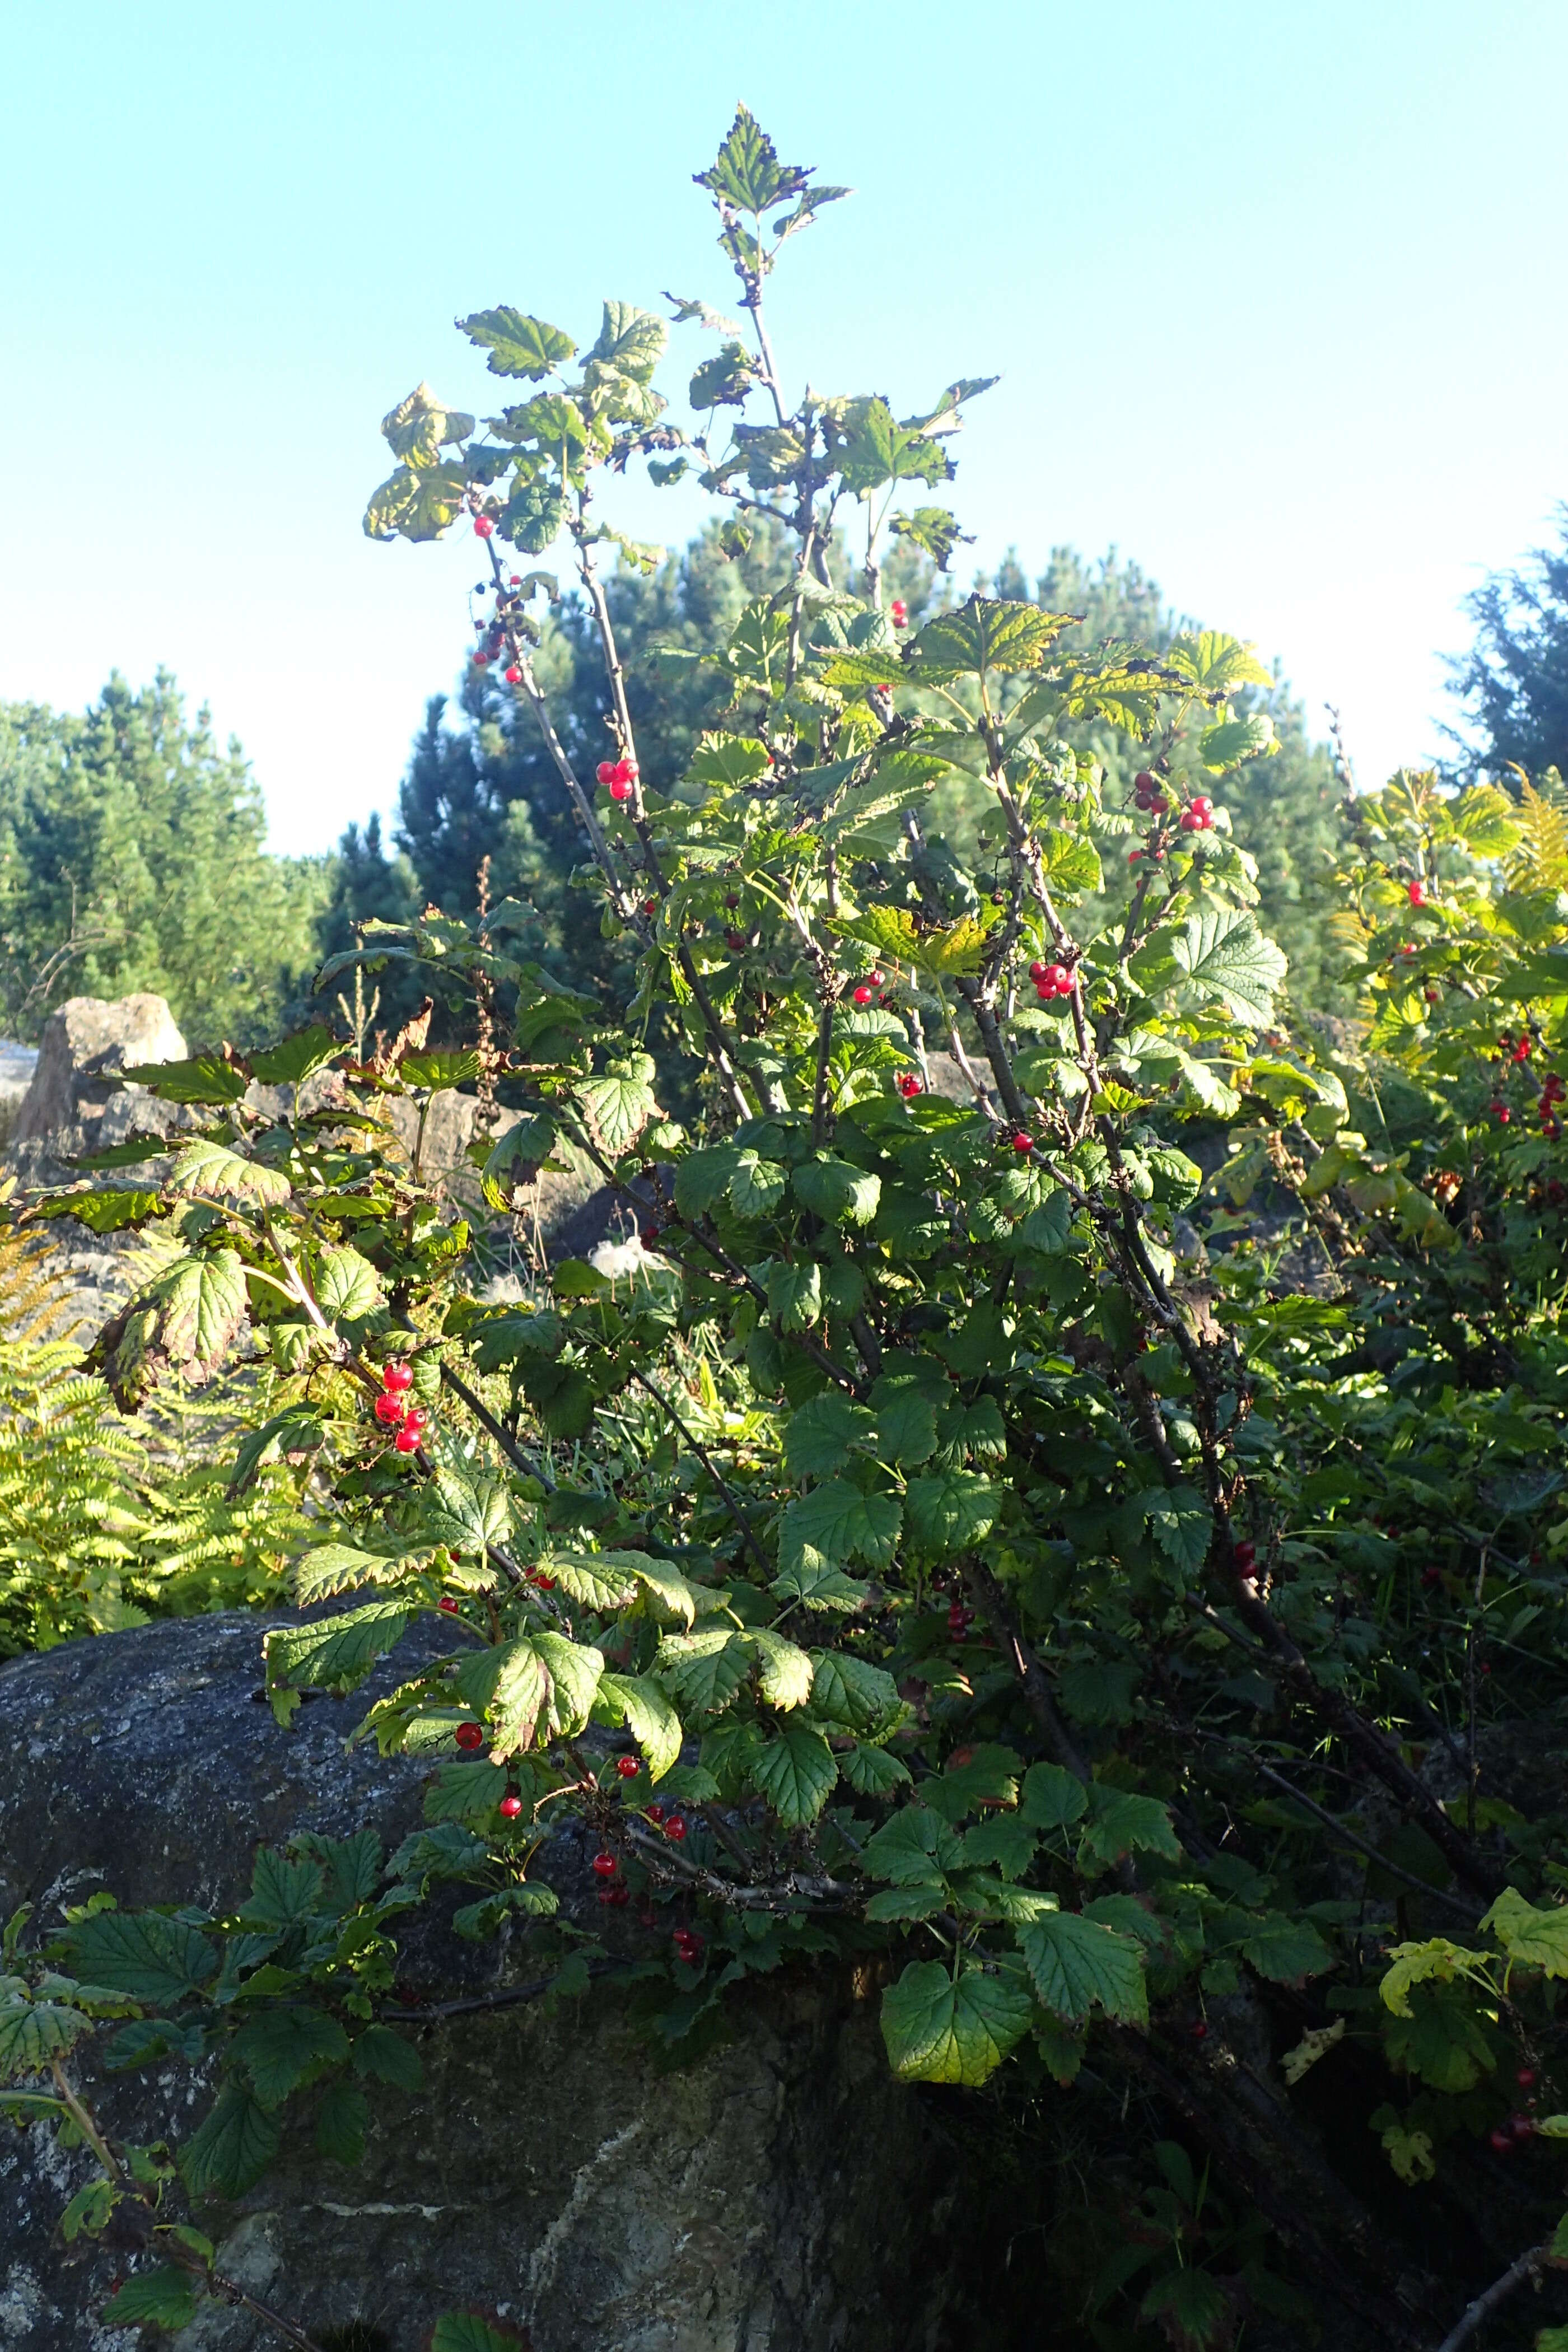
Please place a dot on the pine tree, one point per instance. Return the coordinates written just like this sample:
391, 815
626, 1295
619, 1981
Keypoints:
132, 856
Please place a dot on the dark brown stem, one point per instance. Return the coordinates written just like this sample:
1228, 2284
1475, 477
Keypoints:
1528, 2266
503, 1438
733, 1502
1034, 1681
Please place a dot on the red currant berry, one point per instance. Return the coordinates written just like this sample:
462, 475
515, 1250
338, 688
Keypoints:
899, 613
510, 1807
909, 1084
1525, 2078
605, 772
617, 1898
1200, 2031
675, 1828
736, 942
1133, 855
481, 661
546, 1584
1502, 2141
862, 995
605, 1866
1144, 782
1022, 1142
655, 1813
650, 906
956, 1620
388, 1411
514, 675
397, 1376
1416, 894
406, 1441
483, 527
469, 1735
628, 1767
417, 1420
620, 791
1191, 823
449, 1605
1038, 969
1522, 2126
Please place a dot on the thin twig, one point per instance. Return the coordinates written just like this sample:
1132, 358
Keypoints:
1527, 2267
733, 1502
507, 1443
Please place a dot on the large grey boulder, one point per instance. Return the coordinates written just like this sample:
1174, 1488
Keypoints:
86, 1044
781, 2193
17, 1064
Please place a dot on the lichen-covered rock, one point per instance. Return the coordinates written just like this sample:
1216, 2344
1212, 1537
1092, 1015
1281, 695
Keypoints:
781, 2193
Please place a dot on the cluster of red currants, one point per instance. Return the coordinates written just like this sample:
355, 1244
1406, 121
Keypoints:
671, 1824
607, 1866
898, 613
393, 1411
688, 1945
1504, 2137
960, 1619
1149, 793
620, 775
1516, 1051
868, 990
1198, 814
1051, 980
908, 1085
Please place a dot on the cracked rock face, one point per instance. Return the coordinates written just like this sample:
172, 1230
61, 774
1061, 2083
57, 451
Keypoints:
780, 2194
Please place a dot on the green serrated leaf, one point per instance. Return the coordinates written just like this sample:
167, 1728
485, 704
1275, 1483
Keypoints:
794, 1772
1077, 1964
232, 2149
161, 2297
283, 2048
517, 344
940, 2030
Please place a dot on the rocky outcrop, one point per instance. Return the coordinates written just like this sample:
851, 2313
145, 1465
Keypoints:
17, 1064
86, 1045
778, 2193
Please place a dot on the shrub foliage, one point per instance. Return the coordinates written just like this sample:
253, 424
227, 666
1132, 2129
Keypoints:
1062, 1495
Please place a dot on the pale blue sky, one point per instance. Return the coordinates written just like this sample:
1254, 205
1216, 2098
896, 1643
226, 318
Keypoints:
1276, 291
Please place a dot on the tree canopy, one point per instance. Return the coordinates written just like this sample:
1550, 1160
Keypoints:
132, 855
1512, 685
